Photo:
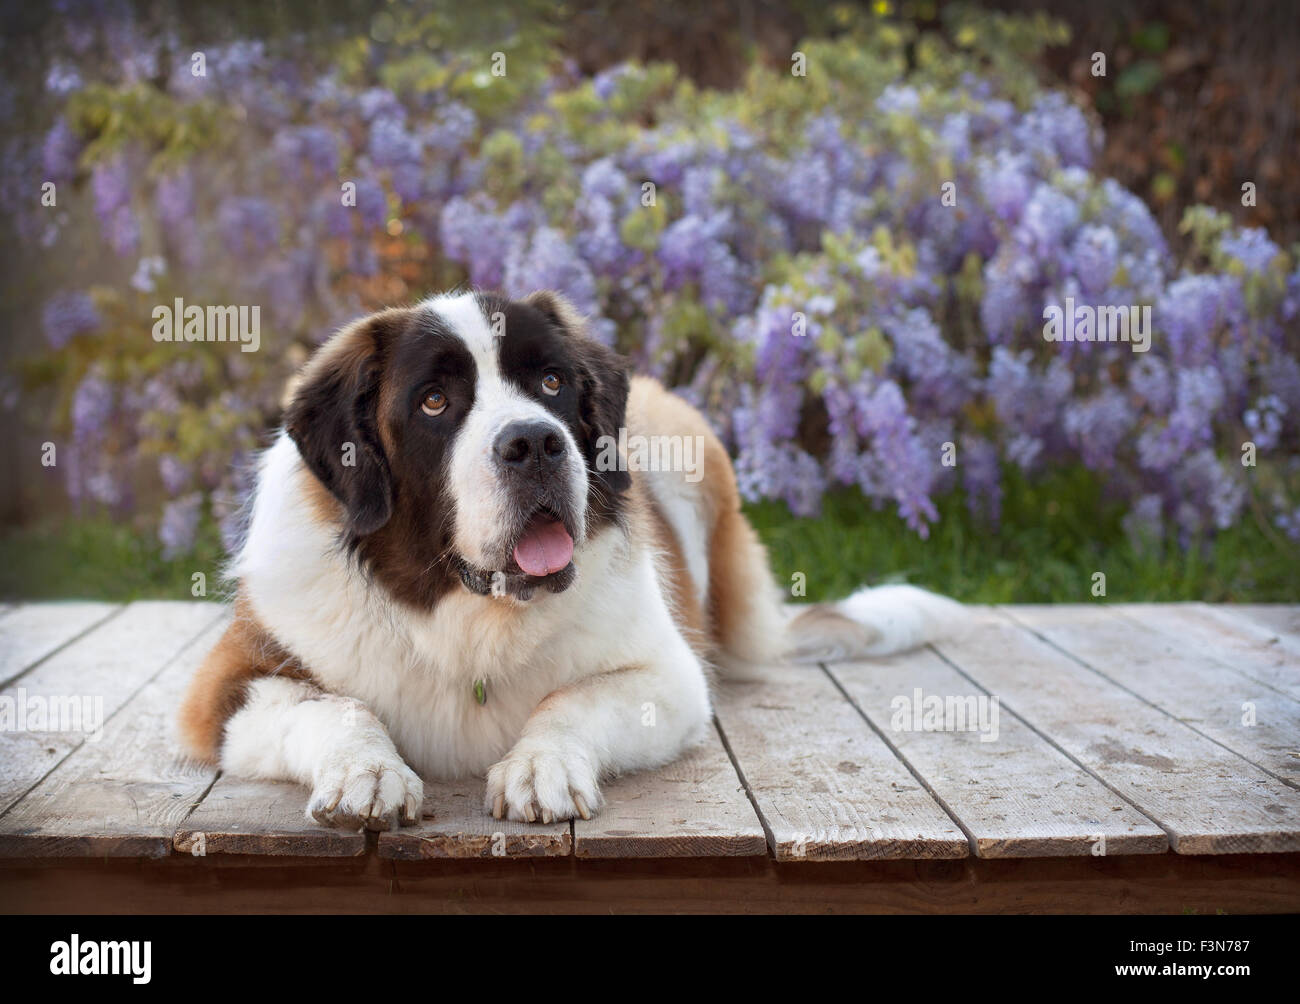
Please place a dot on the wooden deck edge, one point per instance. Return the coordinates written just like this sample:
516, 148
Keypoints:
1017, 847
1168, 883
455, 846
326, 843
1248, 842
40, 845
650, 846
817, 850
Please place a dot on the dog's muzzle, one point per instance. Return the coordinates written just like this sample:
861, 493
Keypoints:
516, 584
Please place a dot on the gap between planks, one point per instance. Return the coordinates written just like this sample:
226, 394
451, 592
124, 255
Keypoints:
1208, 800
1015, 795
111, 665
124, 795
33, 633
858, 840
1208, 696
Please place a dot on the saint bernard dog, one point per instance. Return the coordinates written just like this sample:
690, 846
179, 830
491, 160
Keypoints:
442, 578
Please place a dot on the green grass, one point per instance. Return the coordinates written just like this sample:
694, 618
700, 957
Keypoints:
1056, 533
98, 559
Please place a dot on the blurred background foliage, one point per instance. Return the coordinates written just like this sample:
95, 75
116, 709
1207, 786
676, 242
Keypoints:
776, 195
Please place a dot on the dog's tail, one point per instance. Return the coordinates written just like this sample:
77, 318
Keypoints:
871, 622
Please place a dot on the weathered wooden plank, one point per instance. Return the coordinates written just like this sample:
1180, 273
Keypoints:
1016, 794
455, 825
1208, 800
1184, 678
1278, 619
828, 788
97, 673
33, 631
694, 807
241, 816
1278, 623
124, 794
1246, 647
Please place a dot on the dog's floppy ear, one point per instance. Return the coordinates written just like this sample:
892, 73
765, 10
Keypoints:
603, 380
333, 419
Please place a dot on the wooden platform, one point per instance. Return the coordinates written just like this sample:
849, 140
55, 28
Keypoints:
1146, 757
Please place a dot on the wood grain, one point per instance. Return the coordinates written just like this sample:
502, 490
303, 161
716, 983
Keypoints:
105, 667
124, 794
1120, 721
1016, 794
240, 816
1282, 620
694, 807
1181, 676
827, 787
1276, 623
34, 631
455, 825
1254, 651
1208, 800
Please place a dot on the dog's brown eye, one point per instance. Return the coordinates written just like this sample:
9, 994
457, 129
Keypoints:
551, 383
434, 403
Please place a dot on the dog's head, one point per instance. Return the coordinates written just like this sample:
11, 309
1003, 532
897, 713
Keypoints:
460, 440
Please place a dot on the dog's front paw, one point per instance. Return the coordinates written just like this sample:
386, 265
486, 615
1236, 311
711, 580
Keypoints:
543, 780
377, 792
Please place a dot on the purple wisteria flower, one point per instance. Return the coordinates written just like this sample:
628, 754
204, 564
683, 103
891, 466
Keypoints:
919, 320
693, 249
901, 467
472, 233
249, 225
1096, 256
180, 523
1005, 181
60, 151
111, 184
67, 315
549, 261
1251, 247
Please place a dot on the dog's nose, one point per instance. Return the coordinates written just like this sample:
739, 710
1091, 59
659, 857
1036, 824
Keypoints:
523, 445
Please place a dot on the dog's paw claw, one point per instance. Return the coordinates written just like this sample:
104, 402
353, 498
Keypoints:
542, 781
380, 795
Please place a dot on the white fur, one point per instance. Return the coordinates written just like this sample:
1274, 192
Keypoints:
900, 617
481, 515
581, 684
682, 504
606, 650
288, 729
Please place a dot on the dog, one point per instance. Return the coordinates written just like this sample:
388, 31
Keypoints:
451, 570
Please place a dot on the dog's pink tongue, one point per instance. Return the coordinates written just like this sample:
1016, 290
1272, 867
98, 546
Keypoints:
544, 548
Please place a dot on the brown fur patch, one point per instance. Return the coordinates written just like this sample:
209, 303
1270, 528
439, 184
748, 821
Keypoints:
680, 589
325, 508
245, 652
742, 615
